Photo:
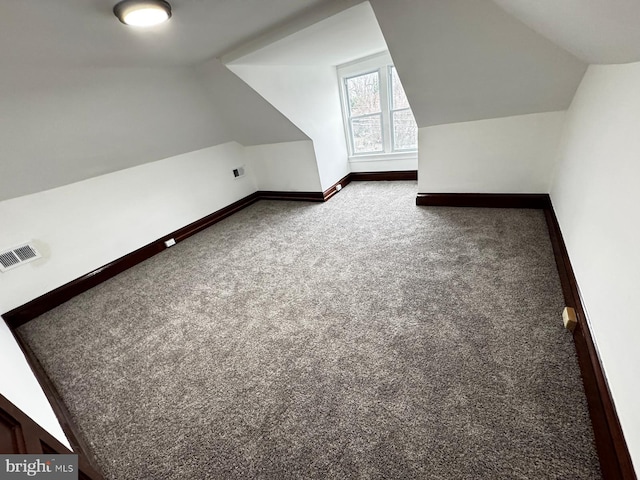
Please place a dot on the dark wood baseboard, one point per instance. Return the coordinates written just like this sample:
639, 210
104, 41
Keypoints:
333, 189
298, 196
370, 176
390, 175
484, 200
21, 315
30, 310
50, 300
21, 435
614, 456
615, 460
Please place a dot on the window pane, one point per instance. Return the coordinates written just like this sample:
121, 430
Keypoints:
405, 131
367, 134
398, 98
364, 94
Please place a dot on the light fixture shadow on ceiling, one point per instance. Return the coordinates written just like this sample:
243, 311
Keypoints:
142, 13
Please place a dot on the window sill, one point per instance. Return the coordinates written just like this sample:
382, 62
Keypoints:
383, 157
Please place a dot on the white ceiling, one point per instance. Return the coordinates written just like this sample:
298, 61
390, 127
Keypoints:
596, 31
82, 95
349, 35
463, 60
86, 33
77, 86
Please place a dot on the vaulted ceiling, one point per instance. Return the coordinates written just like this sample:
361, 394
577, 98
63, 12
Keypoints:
83, 95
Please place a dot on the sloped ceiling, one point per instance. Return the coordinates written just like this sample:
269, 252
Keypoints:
249, 119
349, 35
462, 60
596, 31
85, 32
60, 126
82, 95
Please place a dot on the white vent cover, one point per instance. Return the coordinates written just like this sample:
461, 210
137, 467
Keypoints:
18, 256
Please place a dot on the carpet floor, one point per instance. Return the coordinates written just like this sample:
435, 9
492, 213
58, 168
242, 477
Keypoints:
363, 338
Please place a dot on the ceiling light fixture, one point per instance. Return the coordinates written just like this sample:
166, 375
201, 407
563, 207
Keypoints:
142, 13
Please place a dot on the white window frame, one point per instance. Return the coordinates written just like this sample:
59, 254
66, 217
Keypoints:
382, 64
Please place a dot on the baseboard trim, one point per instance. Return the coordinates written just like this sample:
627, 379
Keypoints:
333, 189
613, 453
30, 310
36, 307
484, 200
615, 460
392, 175
297, 196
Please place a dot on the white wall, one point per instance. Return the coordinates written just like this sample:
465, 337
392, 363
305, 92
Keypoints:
595, 195
384, 165
289, 166
82, 226
500, 155
309, 97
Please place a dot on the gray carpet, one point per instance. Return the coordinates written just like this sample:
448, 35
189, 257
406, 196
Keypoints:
361, 338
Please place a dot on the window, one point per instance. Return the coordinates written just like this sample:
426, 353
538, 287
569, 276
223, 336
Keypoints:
377, 115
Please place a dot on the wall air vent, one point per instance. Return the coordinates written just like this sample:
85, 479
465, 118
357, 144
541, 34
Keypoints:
17, 256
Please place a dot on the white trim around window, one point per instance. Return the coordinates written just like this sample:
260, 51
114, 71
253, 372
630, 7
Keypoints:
376, 143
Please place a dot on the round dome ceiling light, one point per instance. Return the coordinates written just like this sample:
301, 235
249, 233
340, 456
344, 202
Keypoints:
142, 13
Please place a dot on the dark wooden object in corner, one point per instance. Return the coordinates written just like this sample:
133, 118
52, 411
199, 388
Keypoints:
76, 440
20, 435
